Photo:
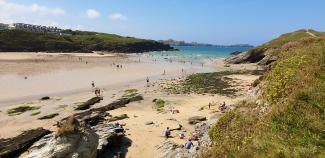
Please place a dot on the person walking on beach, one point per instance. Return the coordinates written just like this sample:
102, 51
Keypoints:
92, 84
209, 105
147, 81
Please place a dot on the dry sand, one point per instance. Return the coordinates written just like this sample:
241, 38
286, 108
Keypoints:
67, 81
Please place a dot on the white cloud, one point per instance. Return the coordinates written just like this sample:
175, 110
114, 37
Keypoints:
9, 8
92, 13
117, 16
11, 12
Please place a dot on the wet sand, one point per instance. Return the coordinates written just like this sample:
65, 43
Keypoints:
33, 75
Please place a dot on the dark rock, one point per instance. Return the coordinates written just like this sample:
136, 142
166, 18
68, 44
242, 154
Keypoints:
122, 102
48, 116
94, 118
136, 98
45, 98
196, 119
87, 104
110, 137
148, 123
267, 60
21, 109
13, 147
236, 53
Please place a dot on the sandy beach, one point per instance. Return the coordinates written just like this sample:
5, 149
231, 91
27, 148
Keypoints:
66, 78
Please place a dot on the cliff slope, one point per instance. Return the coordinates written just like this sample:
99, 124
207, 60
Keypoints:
287, 119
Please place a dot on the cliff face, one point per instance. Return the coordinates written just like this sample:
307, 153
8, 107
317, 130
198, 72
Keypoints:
75, 41
286, 117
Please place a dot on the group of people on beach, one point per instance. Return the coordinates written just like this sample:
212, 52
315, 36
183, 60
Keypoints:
222, 106
97, 90
119, 66
188, 144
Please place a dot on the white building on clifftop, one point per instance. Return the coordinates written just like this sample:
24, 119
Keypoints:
36, 28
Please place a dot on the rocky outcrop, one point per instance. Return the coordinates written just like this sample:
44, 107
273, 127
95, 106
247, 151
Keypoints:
94, 118
13, 147
235, 53
86, 105
71, 141
196, 119
123, 101
110, 137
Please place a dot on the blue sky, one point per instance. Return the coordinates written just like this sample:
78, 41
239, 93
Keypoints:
209, 21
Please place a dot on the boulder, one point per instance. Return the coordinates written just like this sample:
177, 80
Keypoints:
71, 141
86, 105
236, 59
236, 53
196, 119
117, 118
13, 147
110, 136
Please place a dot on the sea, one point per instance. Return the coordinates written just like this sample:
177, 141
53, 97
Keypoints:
198, 54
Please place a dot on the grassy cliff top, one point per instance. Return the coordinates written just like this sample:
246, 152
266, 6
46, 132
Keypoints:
274, 47
17, 40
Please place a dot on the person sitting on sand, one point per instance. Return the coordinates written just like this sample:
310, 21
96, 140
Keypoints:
166, 132
181, 136
188, 144
222, 107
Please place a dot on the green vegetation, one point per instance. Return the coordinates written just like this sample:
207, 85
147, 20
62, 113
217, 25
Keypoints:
160, 104
63, 106
293, 124
79, 41
274, 47
21, 109
35, 113
130, 91
213, 83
